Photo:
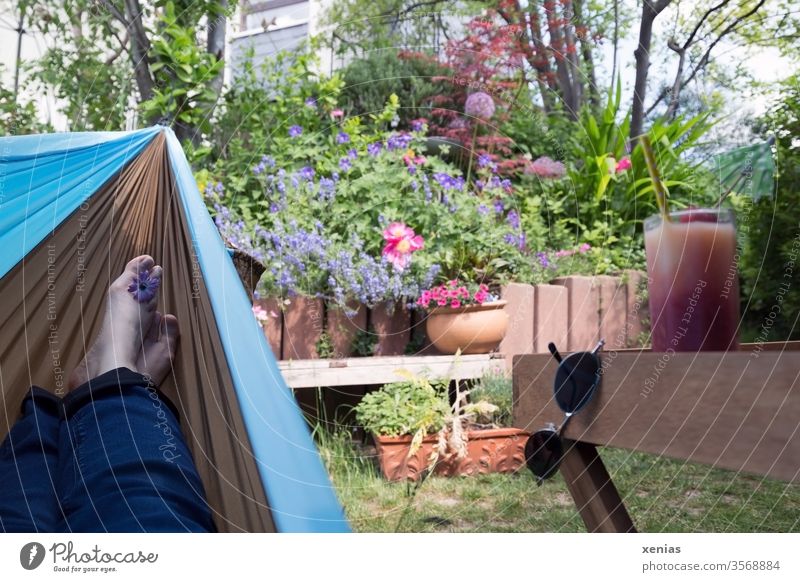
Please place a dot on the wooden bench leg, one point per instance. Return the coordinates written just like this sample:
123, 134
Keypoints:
592, 489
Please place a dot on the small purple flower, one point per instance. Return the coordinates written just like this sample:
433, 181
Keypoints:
273, 208
144, 287
344, 164
499, 206
483, 210
398, 141
513, 219
352, 154
342, 137
306, 173
295, 131
311, 102
484, 160
374, 148
543, 260
418, 124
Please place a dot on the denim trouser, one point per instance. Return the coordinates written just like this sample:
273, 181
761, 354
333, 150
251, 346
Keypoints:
110, 456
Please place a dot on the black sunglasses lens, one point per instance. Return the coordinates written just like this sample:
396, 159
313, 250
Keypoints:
543, 452
577, 378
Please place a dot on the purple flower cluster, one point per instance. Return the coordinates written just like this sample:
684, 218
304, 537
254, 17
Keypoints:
513, 219
295, 131
398, 141
546, 167
261, 167
448, 182
374, 148
213, 190
480, 105
342, 137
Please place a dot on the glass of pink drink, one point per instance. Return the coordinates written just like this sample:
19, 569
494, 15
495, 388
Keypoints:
693, 280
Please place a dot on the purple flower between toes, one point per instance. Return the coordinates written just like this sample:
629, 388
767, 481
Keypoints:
144, 287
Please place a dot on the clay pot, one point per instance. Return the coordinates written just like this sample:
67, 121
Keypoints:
393, 328
494, 450
343, 328
302, 327
273, 328
474, 329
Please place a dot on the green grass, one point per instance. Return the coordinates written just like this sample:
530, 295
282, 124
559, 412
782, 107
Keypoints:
662, 495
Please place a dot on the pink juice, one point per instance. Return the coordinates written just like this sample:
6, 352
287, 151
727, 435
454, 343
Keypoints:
693, 280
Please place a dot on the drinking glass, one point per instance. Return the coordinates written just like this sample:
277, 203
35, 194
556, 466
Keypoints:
693, 282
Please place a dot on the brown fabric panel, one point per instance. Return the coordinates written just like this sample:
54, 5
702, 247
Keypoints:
51, 307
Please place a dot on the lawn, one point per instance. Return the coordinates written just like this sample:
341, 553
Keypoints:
661, 494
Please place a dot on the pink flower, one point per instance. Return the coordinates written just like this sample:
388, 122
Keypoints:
401, 241
545, 167
480, 105
455, 303
622, 165
441, 302
261, 314
337, 113
585, 248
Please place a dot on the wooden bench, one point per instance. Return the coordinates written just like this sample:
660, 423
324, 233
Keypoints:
735, 410
384, 369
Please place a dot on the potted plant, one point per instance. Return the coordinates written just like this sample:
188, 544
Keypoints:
464, 318
416, 432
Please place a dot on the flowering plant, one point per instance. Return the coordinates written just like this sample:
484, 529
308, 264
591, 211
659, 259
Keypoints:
455, 294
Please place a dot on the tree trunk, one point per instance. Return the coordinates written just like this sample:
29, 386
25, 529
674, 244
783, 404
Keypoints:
538, 59
642, 53
139, 48
557, 48
571, 50
215, 45
586, 52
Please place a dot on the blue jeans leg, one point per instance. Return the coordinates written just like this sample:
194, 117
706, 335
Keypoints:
28, 467
124, 465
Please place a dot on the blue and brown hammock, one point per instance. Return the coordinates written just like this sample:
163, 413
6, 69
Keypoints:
74, 208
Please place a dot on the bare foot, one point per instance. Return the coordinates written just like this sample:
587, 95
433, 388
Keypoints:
127, 320
158, 348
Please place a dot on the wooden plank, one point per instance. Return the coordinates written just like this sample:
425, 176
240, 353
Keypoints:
736, 410
593, 491
380, 370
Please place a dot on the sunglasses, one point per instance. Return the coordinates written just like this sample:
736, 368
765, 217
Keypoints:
577, 380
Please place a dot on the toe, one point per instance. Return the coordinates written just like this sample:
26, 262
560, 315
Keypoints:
155, 328
170, 331
139, 264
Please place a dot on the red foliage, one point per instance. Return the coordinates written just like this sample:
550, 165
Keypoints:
488, 58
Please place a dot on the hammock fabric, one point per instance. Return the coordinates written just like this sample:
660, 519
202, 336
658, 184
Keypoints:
74, 208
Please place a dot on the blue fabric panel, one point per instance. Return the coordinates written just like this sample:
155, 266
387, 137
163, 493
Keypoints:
44, 178
297, 486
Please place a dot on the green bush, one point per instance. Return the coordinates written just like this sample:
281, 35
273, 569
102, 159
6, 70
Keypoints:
404, 408
770, 229
382, 72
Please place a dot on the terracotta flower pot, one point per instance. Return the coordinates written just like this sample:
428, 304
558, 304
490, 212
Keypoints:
273, 328
343, 328
494, 450
393, 328
302, 327
474, 329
